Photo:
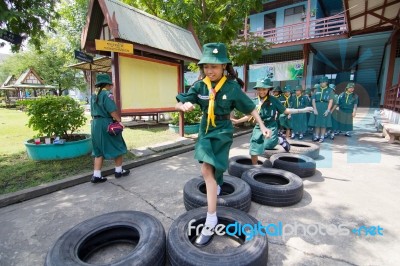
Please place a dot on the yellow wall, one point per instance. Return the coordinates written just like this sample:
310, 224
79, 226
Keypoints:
146, 84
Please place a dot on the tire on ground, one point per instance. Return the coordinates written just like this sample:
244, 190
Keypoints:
240, 164
304, 148
274, 187
235, 193
301, 165
181, 251
133, 227
277, 149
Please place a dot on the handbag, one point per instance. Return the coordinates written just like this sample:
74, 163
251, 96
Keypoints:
114, 129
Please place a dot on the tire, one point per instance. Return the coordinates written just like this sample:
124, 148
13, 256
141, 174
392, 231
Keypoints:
304, 148
240, 164
276, 188
278, 149
301, 165
80, 242
181, 251
235, 193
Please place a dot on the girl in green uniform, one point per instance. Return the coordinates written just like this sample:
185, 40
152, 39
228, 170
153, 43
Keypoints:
322, 101
217, 96
267, 107
334, 112
105, 146
299, 121
348, 102
284, 120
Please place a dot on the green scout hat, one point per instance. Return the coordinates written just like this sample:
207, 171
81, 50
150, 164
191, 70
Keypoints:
298, 87
308, 91
317, 86
287, 88
323, 79
277, 88
214, 53
263, 83
350, 85
103, 79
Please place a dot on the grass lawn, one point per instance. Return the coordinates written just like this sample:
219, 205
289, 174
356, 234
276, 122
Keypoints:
17, 171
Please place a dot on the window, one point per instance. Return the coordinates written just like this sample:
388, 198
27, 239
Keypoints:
294, 14
270, 21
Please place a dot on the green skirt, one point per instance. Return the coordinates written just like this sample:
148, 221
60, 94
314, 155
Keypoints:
258, 144
284, 121
345, 120
299, 123
213, 147
320, 120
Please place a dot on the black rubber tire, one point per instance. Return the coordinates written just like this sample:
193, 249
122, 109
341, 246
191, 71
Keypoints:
304, 148
279, 188
78, 243
277, 149
241, 163
181, 251
298, 164
235, 193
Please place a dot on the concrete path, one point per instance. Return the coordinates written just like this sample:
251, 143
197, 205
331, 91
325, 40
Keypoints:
356, 185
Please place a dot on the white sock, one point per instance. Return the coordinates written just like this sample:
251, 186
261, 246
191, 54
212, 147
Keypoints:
118, 169
211, 220
280, 139
97, 173
218, 190
281, 142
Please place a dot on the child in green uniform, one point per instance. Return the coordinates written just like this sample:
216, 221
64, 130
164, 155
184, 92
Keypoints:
267, 107
348, 102
322, 101
334, 112
217, 96
284, 120
104, 111
299, 121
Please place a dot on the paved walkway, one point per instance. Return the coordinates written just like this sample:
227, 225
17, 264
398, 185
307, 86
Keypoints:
356, 185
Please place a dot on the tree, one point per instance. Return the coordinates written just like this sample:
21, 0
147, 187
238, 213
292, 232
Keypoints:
28, 18
212, 21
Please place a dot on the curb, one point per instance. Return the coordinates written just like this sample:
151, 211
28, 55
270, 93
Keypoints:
31, 193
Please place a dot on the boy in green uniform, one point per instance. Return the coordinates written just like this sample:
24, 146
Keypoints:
217, 96
104, 112
267, 107
348, 102
299, 121
322, 101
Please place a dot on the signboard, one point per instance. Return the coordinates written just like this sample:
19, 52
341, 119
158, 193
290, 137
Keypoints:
279, 71
83, 57
10, 37
119, 47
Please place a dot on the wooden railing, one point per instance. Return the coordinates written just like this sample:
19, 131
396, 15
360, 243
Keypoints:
318, 28
392, 98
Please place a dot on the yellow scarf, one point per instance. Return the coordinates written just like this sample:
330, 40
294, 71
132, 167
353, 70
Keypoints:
287, 100
260, 103
212, 93
297, 98
322, 92
347, 96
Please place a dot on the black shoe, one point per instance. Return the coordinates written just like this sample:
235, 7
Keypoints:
287, 146
96, 179
123, 173
204, 239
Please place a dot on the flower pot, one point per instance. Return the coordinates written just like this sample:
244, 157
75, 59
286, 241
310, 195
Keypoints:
66, 150
188, 129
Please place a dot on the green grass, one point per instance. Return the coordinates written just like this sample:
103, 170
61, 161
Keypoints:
17, 171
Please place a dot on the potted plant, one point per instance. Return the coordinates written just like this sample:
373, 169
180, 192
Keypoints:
56, 118
191, 120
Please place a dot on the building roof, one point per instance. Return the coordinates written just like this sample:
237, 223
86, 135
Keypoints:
140, 28
101, 64
28, 79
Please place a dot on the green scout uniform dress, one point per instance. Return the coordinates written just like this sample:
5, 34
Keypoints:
213, 147
280, 99
346, 102
284, 121
335, 114
299, 121
105, 145
321, 97
268, 111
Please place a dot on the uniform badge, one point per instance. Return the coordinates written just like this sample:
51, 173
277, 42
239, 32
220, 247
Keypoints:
111, 96
215, 51
224, 97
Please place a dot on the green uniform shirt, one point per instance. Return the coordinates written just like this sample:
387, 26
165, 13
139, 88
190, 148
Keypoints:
213, 147
347, 101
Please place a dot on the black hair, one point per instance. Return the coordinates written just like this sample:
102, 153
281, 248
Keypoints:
101, 86
232, 74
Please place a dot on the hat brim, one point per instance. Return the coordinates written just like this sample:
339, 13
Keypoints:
103, 82
213, 60
262, 87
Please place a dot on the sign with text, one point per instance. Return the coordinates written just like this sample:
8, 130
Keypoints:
10, 37
119, 47
83, 57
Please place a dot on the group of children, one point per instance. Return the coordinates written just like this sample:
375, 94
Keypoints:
332, 113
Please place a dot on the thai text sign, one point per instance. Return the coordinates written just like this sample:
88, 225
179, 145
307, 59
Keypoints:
119, 47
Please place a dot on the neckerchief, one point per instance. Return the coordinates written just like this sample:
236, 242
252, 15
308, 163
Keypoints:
297, 101
212, 92
261, 102
322, 93
287, 100
347, 96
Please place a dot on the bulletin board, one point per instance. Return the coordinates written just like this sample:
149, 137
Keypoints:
148, 85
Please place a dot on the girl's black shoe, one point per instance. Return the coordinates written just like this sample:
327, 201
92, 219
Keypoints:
123, 173
96, 179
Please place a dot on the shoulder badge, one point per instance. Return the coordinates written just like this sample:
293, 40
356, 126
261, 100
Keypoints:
111, 96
